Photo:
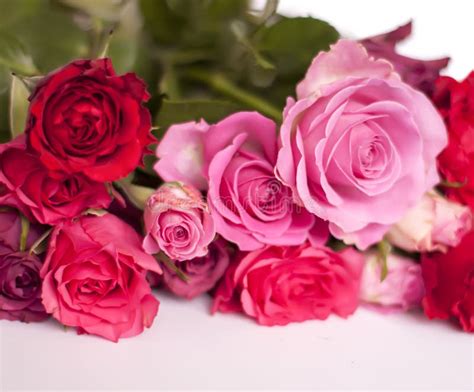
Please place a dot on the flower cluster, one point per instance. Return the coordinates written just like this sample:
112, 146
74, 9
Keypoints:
358, 191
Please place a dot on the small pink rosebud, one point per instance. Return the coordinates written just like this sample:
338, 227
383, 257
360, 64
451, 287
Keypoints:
401, 289
434, 224
178, 222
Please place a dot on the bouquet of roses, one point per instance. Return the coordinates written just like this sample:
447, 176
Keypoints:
356, 189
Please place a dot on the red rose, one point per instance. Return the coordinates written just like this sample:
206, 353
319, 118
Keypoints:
449, 283
279, 285
455, 101
94, 278
84, 118
48, 200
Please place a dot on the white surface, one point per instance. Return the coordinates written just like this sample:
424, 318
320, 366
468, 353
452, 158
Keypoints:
188, 349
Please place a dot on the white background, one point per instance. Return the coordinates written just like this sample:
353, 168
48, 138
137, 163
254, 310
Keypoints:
189, 349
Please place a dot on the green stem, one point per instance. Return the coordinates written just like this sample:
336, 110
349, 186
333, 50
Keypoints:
25, 228
161, 257
221, 84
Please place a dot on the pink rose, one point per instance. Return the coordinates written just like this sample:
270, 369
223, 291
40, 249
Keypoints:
41, 197
359, 146
94, 278
177, 222
180, 154
402, 288
434, 224
250, 206
202, 272
278, 285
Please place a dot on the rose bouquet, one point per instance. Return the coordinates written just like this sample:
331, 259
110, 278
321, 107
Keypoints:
286, 171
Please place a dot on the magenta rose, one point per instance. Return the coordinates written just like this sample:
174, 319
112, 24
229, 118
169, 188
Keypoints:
202, 272
94, 278
178, 222
20, 283
41, 197
279, 285
420, 74
359, 146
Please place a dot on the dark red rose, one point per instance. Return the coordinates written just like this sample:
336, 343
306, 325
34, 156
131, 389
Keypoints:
455, 101
449, 283
420, 74
20, 287
40, 197
84, 118
20, 283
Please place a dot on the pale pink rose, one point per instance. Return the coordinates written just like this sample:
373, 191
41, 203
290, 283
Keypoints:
279, 285
250, 206
178, 222
434, 224
180, 154
94, 278
402, 288
359, 146
202, 272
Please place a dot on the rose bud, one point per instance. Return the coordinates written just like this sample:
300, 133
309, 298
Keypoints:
83, 118
40, 196
433, 224
420, 74
94, 278
401, 289
178, 222
202, 273
279, 285
20, 283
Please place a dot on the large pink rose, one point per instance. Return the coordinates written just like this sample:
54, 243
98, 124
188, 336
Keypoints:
250, 206
279, 285
94, 278
359, 146
178, 223
29, 186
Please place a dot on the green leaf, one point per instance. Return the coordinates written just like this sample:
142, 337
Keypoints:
175, 112
291, 43
18, 106
14, 55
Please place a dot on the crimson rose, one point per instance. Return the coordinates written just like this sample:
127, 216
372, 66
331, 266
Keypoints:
455, 101
84, 118
29, 187
449, 283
